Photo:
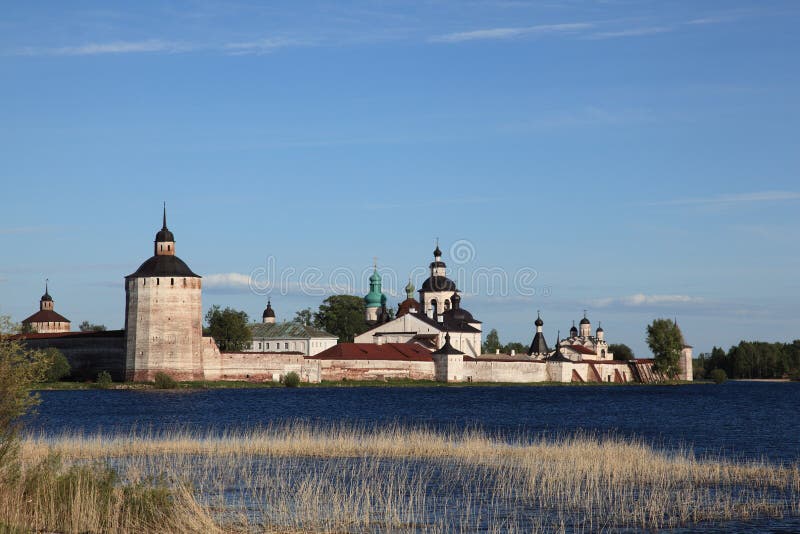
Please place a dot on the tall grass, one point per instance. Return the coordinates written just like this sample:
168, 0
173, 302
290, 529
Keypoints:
300, 477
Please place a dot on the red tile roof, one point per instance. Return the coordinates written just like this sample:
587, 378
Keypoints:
410, 352
46, 316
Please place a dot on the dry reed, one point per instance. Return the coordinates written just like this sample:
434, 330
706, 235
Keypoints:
301, 477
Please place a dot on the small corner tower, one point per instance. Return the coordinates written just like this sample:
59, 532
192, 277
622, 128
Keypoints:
46, 320
448, 362
268, 317
538, 347
163, 315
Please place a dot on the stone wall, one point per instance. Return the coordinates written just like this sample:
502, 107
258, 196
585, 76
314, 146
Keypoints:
88, 353
374, 369
164, 328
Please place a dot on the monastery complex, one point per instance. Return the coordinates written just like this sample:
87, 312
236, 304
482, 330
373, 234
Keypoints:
431, 336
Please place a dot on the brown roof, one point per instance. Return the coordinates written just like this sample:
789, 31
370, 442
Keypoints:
581, 349
406, 305
45, 316
410, 352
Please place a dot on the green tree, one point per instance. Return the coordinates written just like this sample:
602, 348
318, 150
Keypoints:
621, 351
342, 316
229, 328
86, 326
291, 380
516, 346
492, 343
719, 376
58, 365
665, 340
20, 369
304, 317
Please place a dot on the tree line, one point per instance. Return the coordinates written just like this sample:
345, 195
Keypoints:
752, 359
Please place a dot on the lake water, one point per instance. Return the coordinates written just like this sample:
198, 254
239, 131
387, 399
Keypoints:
735, 419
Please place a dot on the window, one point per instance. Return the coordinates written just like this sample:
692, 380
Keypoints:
172, 281
267, 346
286, 346
158, 281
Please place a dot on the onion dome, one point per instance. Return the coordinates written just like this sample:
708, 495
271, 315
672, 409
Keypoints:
437, 253
585, 320
438, 283
410, 290
456, 300
268, 311
164, 234
375, 298
574, 330
46, 297
600, 329
538, 321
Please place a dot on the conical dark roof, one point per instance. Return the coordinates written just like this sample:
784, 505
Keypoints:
447, 348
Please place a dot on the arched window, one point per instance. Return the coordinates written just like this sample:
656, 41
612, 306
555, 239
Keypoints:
435, 307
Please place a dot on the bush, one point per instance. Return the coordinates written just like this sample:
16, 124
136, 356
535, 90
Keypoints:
104, 380
291, 380
59, 366
719, 376
164, 381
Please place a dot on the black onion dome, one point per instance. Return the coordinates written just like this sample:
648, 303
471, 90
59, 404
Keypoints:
585, 320
163, 266
459, 315
47, 297
600, 329
538, 322
268, 311
437, 252
164, 235
438, 283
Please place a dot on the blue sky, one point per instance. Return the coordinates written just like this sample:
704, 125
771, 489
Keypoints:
635, 158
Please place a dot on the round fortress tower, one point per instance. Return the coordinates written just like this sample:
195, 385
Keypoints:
163, 316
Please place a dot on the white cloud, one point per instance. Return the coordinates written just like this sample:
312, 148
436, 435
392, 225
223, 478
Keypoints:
227, 280
757, 196
641, 299
510, 33
632, 32
114, 47
263, 46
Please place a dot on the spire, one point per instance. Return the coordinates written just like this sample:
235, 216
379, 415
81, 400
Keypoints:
164, 227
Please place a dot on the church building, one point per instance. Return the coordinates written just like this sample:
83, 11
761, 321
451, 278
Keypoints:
46, 320
425, 321
287, 336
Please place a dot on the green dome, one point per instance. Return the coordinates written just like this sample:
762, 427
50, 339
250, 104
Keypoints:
375, 298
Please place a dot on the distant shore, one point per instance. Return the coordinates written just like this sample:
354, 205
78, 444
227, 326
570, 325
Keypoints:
389, 383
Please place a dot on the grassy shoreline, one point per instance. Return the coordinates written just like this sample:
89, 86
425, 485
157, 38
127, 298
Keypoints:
297, 477
399, 383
